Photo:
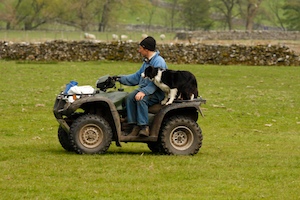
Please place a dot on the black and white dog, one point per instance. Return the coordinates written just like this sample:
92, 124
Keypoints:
177, 84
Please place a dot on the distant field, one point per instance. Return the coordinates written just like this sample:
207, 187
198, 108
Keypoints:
250, 148
42, 36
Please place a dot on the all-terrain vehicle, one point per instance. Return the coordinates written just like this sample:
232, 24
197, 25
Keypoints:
89, 122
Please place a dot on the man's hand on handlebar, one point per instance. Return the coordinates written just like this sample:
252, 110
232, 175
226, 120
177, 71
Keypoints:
115, 78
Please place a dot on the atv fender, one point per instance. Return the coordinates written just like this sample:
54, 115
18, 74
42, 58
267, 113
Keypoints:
188, 108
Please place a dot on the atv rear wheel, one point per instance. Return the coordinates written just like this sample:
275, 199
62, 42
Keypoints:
181, 136
90, 134
64, 139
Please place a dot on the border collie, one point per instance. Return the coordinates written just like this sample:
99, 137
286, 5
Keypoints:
177, 84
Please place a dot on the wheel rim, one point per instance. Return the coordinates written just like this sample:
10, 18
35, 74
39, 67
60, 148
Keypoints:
91, 136
181, 137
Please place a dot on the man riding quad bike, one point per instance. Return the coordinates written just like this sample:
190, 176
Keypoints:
90, 121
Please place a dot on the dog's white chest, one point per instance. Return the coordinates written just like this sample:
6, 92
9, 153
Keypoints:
158, 82
162, 86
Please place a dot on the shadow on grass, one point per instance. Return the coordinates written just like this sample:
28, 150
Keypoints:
61, 151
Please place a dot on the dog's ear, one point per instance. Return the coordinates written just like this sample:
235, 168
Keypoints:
154, 71
149, 72
151, 68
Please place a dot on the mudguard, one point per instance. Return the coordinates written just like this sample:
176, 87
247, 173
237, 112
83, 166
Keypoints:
188, 108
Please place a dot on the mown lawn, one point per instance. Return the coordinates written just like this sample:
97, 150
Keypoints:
250, 149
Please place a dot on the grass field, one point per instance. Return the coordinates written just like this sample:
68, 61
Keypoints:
42, 36
250, 149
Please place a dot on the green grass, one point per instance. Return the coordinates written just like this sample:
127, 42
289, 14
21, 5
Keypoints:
250, 148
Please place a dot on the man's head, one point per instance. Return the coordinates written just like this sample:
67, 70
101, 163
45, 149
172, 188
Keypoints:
148, 43
147, 47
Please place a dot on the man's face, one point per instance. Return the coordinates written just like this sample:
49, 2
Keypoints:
143, 51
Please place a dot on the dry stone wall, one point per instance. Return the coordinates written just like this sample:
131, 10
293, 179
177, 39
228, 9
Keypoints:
239, 35
173, 53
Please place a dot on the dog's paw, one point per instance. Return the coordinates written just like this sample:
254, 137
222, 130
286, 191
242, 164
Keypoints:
163, 102
169, 103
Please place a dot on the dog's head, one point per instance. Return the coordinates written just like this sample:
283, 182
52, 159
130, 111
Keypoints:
150, 72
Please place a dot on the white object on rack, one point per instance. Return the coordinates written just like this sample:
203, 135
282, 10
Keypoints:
78, 90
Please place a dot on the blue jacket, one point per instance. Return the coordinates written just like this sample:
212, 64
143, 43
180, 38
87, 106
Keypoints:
145, 85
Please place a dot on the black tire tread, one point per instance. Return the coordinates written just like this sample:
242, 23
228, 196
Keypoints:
174, 121
90, 117
64, 139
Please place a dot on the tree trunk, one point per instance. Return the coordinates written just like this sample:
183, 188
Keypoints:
174, 10
28, 26
105, 16
8, 26
229, 20
251, 13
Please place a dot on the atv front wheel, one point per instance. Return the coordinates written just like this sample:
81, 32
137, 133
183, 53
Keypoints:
64, 139
181, 136
90, 134
155, 147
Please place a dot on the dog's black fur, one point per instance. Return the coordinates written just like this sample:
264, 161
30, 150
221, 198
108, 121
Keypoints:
179, 84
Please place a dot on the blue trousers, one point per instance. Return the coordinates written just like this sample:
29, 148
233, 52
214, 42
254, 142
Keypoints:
137, 111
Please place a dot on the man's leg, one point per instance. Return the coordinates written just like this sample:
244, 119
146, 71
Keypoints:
142, 112
137, 111
142, 116
131, 105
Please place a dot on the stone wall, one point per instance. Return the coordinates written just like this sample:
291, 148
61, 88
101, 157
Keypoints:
194, 53
239, 35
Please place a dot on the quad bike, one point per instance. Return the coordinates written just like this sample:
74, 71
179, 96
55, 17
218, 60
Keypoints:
91, 121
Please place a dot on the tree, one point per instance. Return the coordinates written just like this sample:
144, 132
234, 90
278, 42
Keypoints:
292, 14
226, 8
8, 12
28, 14
276, 8
110, 12
87, 14
33, 17
80, 14
145, 9
106, 12
196, 14
249, 12
151, 13
173, 9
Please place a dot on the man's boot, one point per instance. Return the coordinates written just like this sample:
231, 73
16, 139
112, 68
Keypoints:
144, 132
135, 131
